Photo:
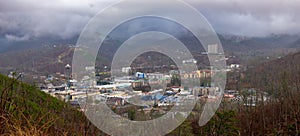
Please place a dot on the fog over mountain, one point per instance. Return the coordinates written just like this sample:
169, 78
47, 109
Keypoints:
26, 20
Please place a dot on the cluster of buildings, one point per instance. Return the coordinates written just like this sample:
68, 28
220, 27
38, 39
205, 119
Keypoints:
248, 97
120, 90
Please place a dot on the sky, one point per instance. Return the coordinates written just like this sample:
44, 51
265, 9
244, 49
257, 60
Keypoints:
22, 20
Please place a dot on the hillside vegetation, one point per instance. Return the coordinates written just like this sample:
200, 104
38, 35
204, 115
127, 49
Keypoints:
25, 110
271, 74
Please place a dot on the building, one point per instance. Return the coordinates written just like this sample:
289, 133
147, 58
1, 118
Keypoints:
155, 76
212, 49
198, 74
235, 66
205, 91
190, 61
90, 68
126, 69
140, 75
138, 83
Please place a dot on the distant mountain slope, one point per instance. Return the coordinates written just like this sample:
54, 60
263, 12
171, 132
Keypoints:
272, 73
295, 44
38, 60
245, 44
49, 58
230, 42
8, 46
26, 110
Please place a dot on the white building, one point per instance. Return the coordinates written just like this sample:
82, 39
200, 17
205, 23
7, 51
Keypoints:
154, 76
212, 49
189, 61
90, 68
126, 69
233, 66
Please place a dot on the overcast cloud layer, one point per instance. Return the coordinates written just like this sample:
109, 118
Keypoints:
22, 20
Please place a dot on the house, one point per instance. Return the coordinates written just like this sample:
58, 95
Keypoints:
235, 66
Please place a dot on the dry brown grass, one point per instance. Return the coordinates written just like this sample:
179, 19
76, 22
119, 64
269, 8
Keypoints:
26, 126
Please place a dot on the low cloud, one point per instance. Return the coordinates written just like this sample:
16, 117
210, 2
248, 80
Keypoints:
17, 38
252, 17
21, 20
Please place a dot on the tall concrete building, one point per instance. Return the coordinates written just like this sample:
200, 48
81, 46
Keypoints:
212, 49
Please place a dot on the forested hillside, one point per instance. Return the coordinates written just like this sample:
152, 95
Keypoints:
25, 110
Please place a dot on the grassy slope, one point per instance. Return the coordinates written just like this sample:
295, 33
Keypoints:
26, 110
